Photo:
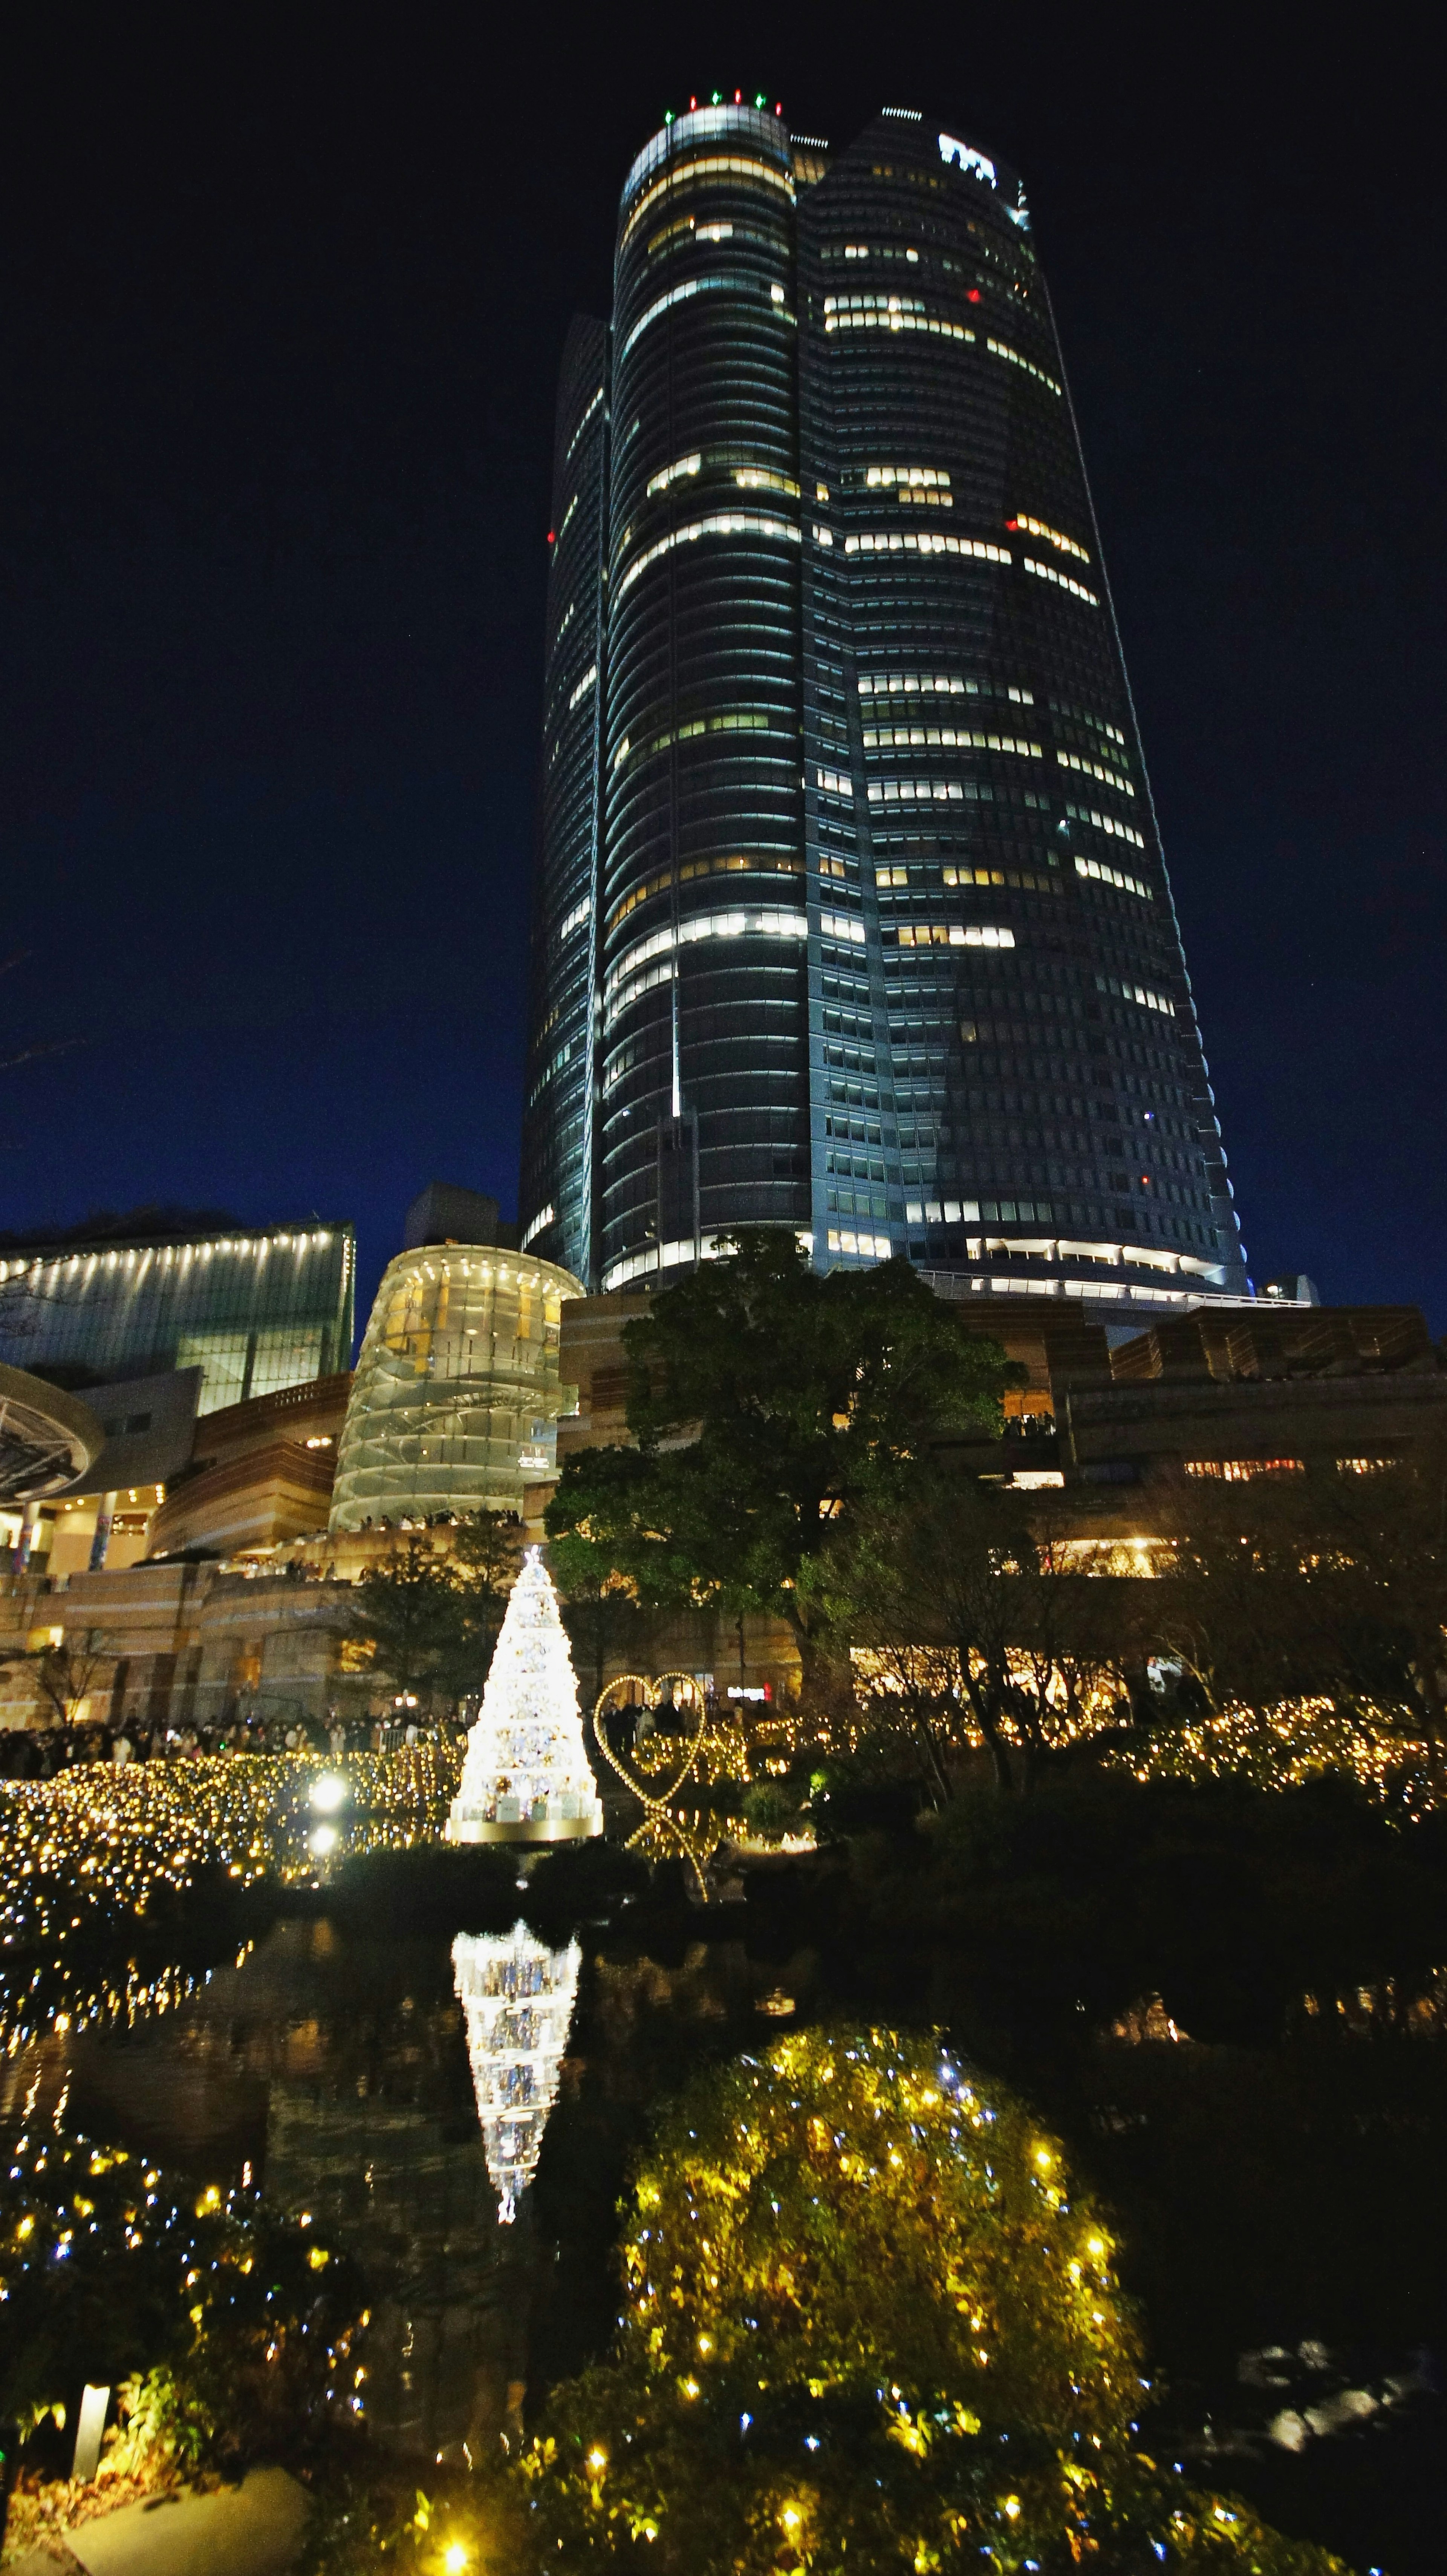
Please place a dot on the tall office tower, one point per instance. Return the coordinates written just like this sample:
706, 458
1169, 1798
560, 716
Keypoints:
854, 917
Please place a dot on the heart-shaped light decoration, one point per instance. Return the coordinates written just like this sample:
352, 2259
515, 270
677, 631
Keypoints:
633, 1690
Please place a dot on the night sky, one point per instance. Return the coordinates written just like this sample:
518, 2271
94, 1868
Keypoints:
283, 297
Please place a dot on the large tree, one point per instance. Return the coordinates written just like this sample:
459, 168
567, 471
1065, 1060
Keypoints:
770, 1406
432, 1619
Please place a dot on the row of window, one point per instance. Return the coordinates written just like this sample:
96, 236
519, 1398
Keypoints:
1082, 715
575, 919
726, 281
736, 863
1100, 874
948, 738
1106, 823
764, 923
926, 541
895, 684
720, 523
1026, 880
583, 423
952, 934
584, 685
1037, 528
924, 791
708, 165
868, 1247
1093, 769
1062, 580
1002, 349
842, 925
536, 1225
1135, 993
866, 250
735, 720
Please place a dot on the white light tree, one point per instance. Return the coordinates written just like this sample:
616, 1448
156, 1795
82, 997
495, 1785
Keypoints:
518, 1997
526, 1777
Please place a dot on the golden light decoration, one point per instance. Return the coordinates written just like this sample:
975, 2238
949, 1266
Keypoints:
96, 1841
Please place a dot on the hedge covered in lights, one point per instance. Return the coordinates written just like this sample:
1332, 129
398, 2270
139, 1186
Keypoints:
111, 2271
869, 2324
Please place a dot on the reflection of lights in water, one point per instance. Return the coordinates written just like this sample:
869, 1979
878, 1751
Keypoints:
324, 1840
518, 1997
328, 1793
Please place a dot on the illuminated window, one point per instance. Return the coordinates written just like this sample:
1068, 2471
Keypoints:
765, 924
894, 684
709, 165
722, 523
730, 720
535, 1225
888, 313
927, 484
1363, 1466
952, 934
583, 423
866, 1247
671, 473
728, 282
781, 863
584, 685
1036, 528
1024, 878
948, 737
1062, 580
924, 541
1093, 769
1002, 349
834, 783
842, 925
1135, 993
576, 918
1239, 1471
1099, 873
567, 514
1105, 823
868, 250
762, 478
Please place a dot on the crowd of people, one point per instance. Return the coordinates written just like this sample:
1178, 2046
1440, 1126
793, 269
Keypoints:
41, 1752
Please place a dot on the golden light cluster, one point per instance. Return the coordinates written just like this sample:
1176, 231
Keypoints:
96, 1842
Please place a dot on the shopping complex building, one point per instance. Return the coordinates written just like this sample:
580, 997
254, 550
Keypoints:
853, 914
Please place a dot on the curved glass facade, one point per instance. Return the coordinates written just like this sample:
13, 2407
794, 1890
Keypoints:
454, 1406
884, 946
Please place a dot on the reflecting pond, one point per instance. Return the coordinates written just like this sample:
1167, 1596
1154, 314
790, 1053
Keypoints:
458, 2108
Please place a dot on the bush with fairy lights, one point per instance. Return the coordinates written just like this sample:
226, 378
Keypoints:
230, 2333
870, 2325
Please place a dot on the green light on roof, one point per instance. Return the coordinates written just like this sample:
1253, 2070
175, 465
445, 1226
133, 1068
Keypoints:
718, 94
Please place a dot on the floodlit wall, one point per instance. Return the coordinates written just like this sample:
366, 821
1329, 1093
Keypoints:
455, 1402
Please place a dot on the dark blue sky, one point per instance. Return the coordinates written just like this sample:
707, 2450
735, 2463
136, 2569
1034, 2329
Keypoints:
282, 300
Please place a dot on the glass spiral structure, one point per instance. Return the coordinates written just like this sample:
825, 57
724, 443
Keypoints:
853, 913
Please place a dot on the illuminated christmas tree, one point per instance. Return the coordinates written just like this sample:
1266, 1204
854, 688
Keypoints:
518, 1998
525, 1775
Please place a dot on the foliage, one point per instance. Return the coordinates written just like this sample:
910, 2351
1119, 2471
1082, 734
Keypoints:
432, 1620
770, 1406
973, 1637
866, 2311
233, 2329
1327, 1589
67, 1674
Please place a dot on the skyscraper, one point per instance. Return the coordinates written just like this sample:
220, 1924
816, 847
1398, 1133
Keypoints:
853, 915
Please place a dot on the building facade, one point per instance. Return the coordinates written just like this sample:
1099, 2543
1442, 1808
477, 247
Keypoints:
853, 915
254, 1308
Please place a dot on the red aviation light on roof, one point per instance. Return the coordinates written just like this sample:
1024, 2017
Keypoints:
552, 536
